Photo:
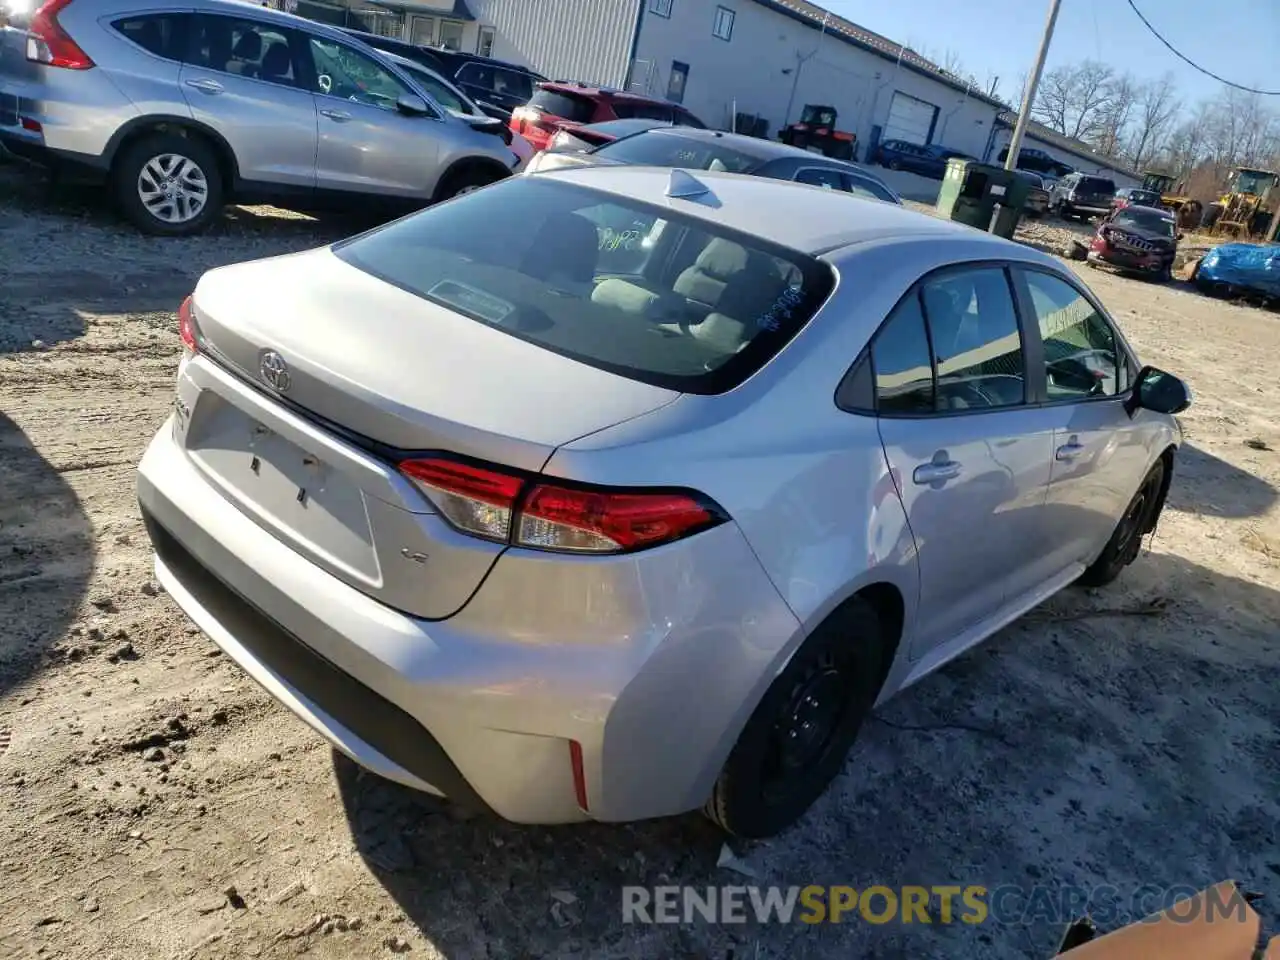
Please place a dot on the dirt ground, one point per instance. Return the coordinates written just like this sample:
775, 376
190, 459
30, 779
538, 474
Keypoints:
154, 803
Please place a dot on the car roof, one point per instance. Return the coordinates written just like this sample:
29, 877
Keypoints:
763, 150
1160, 211
804, 218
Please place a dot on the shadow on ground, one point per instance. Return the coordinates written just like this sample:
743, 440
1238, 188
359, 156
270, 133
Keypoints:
1208, 485
1125, 736
46, 556
119, 270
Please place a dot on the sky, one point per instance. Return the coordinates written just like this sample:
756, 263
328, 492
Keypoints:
1237, 39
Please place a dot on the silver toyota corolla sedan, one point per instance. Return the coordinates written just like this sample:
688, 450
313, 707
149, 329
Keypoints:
642, 507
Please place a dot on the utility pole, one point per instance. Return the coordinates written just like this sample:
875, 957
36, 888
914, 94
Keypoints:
1029, 95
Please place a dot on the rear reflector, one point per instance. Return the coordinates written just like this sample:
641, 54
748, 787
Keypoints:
32, 125
492, 503
579, 774
49, 44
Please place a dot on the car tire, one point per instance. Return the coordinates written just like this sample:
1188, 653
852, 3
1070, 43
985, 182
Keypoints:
1126, 540
826, 691
894, 165
1166, 274
464, 181
192, 171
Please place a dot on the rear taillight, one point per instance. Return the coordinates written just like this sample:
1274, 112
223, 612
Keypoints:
534, 512
187, 326
49, 44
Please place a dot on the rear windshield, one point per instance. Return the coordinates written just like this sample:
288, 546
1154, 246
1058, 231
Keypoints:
673, 150
563, 105
1096, 185
620, 285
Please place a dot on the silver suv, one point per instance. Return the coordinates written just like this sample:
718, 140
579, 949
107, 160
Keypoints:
184, 106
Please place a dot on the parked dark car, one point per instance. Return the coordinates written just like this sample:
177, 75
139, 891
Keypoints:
729, 152
496, 86
1037, 203
566, 106
1038, 161
1135, 196
928, 161
1142, 239
592, 135
1084, 196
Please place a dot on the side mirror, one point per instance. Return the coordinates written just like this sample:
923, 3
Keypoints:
412, 105
1159, 391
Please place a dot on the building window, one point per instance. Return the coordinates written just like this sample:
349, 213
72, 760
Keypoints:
723, 26
451, 34
484, 42
676, 82
430, 32
660, 8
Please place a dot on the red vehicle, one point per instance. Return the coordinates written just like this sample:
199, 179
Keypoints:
1142, 239
567, 106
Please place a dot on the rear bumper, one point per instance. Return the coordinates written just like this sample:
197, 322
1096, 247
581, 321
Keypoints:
1091, 208
482, 707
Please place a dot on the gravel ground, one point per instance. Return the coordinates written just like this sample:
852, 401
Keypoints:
157, 804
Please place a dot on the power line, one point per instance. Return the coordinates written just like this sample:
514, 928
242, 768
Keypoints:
1191, 63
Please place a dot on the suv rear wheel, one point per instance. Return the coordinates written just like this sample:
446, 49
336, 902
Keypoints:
168, 184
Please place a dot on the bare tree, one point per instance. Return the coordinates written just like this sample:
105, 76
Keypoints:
1158, 104
1112, 122
1072, 98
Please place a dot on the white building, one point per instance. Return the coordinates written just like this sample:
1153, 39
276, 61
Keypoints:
721, 58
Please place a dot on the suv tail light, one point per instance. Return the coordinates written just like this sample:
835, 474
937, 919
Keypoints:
526, 119
187, 328
49, 44
544, 514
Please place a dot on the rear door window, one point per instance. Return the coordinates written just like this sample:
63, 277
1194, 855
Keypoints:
611, 282
245, 48
866, 187
163, 34
566, 106
820, 177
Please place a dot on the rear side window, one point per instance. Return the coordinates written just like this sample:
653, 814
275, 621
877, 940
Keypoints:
626, 109
900, 358
163, 34
686, 119
511, 83
619, 285
670, 149
1096, 185
566, 106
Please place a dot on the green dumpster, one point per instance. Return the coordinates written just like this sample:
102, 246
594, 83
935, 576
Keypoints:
983, 195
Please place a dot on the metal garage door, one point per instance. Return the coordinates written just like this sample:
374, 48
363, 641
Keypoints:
909, 119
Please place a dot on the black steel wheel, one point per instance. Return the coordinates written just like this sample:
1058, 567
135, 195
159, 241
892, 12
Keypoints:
796, 740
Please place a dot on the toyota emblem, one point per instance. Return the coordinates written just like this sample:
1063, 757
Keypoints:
275, 372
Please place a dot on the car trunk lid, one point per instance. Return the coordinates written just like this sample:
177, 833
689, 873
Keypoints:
314, 385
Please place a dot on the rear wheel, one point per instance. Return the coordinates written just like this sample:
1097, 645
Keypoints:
168, 184
1122, 549
894, 164
796, 740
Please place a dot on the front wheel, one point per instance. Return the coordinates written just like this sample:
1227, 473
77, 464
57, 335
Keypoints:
796, 740
1122, 549
169, 185
466, 181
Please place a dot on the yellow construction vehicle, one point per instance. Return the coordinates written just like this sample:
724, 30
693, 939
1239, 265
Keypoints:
1173, 197
1247, 208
